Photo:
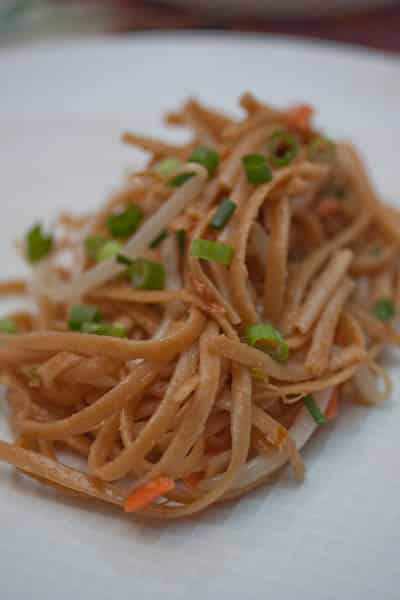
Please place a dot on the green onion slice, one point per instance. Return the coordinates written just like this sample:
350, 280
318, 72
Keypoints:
123, 224
213, 251
38, 245
105, 329
283, 148
314, 410
109, 249
384, 309
181, 237
257, 168
82, 313
223, 213
167, 166
180, 179
157, 240
321, 149
93, 244
8, 326
268, 339
147, 275
124, 260
207, 157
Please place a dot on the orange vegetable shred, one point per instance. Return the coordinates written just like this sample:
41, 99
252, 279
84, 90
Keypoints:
299, 116
141, 497
193, 479
333, 405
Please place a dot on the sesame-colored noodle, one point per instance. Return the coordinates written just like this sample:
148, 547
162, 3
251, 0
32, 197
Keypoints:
192, 385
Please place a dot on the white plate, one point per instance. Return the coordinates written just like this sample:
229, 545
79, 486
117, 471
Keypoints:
284, 8
335, 537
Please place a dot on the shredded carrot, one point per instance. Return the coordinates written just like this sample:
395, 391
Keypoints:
149, 492
281, 437
299, 116
332, 409
193, 479
328, 207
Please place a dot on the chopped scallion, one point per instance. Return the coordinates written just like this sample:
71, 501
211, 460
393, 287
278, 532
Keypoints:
105, 329
283, 148
384, 309
207, 157
109, 249
179, 179
157, 240
123, 224
268, 339
181, 237
213, 251
147, 275
314, 410
38, 245
167, 166
124, 260
93, 245
223, 214
82, 313
257, 168
8, 326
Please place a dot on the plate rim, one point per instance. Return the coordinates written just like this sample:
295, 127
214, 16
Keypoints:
187, 36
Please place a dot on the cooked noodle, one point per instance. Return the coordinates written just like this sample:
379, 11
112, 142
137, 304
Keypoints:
178, 404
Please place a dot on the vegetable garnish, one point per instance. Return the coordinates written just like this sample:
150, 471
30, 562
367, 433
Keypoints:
257, 168
38, 245
214, 251
283, 147
143, 496
384, 309
167, 166
268, 339
179, 179
109, 249
181, 237
207, 157
93, 244
258, 374
193, 479
116, 330
223, 214
82, 313
157, 240
332, 409
321, 149
314, 410
124, 260
146, 274
123, 224
8, 326
299, 116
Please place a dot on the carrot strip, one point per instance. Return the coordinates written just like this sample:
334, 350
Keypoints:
332, 409
193, 479
149, 492
299, 116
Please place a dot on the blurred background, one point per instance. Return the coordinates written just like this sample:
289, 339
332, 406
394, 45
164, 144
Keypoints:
372, 23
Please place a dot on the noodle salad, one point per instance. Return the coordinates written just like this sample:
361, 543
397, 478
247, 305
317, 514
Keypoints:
188, 338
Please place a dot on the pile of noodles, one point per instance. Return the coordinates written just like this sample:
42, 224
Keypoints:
184, 396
